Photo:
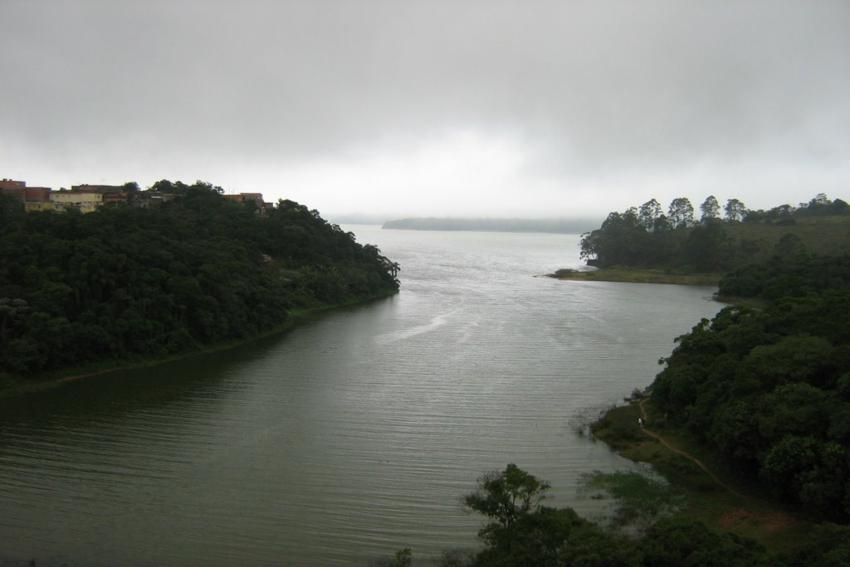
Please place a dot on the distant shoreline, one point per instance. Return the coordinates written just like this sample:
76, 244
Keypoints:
552, 226
637, 275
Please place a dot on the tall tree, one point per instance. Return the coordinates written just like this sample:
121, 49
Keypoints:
649, 213
681, 212
735, 210
710, 209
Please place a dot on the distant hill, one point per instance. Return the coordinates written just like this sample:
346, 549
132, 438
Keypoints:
560, 226
357, 218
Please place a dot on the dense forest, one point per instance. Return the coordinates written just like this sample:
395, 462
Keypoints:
645, 237
124, 283
768, 387
521, 532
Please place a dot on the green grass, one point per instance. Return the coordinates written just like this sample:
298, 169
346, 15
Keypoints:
827, 235
638, 275
640, 500
747, 512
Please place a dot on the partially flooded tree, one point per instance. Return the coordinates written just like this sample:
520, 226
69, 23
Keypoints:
507, 495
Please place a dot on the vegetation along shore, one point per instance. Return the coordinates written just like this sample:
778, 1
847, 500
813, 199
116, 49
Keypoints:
636, 275
748, 420
748, 423
125, 285
644, 245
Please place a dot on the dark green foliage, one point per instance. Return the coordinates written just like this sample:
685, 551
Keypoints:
506, 496
828, 546
678, 543
402, 558
784, 276
127, 282
768, 388
645, 238
548, 537
524, 533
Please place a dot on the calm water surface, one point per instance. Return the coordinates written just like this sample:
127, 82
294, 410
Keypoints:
350, 437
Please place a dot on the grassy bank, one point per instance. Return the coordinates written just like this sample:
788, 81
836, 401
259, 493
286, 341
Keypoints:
712, 495
16, 386
637, 275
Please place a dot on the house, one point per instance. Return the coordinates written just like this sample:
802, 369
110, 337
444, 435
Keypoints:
37, 199
33, 198
84, 201
11, 184
255, 198
146, 199
112, 194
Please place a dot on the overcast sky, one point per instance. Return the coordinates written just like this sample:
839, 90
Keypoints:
457, 108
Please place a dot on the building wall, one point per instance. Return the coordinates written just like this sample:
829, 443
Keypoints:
85, 202
37, 194
33, 198
12, 184
17, 193
39, 206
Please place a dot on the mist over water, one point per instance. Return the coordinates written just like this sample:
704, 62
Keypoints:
350, 437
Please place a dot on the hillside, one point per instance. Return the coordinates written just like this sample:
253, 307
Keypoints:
127, 283
768, 389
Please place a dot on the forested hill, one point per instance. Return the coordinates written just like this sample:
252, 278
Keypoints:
125, 283
769, 388
645, 237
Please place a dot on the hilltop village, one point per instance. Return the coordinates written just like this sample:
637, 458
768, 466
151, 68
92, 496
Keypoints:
88, 198
142, 279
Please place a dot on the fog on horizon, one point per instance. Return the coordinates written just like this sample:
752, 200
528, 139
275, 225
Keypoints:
463, 109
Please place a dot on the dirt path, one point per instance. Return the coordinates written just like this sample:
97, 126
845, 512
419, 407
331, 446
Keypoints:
685, 454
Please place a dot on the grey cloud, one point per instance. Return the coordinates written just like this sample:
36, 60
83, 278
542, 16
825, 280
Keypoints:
629, 86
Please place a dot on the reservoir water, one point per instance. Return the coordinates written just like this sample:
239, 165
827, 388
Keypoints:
353, 435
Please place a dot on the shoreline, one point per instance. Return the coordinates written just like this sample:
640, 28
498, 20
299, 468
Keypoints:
54, 379
637, 275
712, 494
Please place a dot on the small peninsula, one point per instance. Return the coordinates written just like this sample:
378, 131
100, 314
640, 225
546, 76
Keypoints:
635, 275
172, 270
644, 245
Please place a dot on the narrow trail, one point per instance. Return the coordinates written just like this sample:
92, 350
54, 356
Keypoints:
685, 454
